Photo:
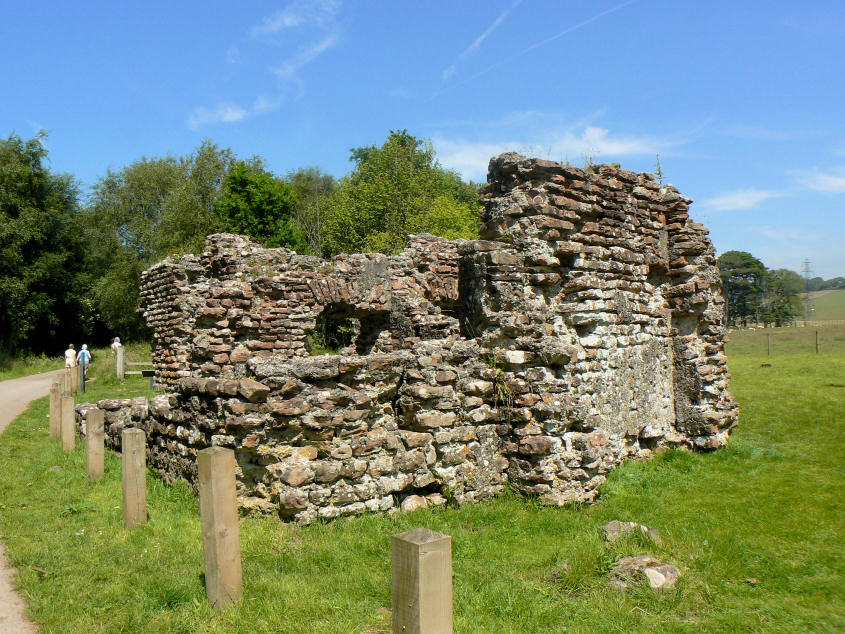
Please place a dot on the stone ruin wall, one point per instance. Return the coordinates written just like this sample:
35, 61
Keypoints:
582, 329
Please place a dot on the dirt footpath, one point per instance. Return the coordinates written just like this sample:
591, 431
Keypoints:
15, 396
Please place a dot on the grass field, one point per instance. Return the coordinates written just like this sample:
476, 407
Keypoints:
769, 508
829, 305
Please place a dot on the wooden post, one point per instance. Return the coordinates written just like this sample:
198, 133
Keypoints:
422, 582
68, 424
220, 534
134, 459
120, 365
74, 379
769, 344
55, 411
817, 342
94, 444
67, 384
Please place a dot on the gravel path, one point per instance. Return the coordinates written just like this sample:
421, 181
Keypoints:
15, 396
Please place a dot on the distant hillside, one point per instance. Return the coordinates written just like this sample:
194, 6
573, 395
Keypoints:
830, 304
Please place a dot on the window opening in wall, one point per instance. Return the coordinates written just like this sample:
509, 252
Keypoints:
340, 326
333, 332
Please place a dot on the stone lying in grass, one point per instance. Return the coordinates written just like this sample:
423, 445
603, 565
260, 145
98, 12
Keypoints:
615, 529
629, 570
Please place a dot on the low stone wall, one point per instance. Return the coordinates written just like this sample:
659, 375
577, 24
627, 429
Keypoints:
583, 329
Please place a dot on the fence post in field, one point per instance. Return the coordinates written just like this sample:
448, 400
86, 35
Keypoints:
422, 582
220, 534
94, 443
120, 364
817, 342
68, 424
55, 411
769, 344
133, 442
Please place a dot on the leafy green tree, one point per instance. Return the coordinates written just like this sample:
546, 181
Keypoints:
43, 279
143, 212
782, 295
743, 276
260, 205
393, 190
312, 188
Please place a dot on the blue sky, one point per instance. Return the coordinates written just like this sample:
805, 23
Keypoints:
743, 101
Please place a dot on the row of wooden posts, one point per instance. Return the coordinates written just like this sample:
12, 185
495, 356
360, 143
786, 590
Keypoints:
421, 558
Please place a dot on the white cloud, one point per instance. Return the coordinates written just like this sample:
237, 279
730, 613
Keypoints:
400, 93
832, 181
739, 199
470, 158
299, 13
224, 113
453, 67
304, 56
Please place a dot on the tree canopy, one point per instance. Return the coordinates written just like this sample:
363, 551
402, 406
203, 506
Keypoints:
260, 205
393, 190
754, 292
43, 269
142, 213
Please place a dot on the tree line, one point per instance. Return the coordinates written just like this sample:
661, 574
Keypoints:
71, 264
759, 295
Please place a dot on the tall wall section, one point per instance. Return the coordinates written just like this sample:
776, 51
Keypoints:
582, 329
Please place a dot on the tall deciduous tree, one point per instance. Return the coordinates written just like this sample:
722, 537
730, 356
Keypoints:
742, 281
782, 301
145, 211
258, 204
43, 304
312, 188
393, 190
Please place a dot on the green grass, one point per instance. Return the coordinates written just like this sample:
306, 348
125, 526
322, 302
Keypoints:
787, 341
829, 305
769, 507
15, 367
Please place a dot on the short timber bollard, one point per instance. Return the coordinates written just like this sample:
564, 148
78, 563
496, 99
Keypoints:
119, 365
74, 380
817, 342
422, 582
68, 424
55, 411
94, 444
67, 382
133, 442
220, 534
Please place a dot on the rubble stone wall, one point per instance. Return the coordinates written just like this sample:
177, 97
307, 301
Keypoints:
582, 328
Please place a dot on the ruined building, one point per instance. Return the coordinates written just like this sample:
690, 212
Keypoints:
582, 328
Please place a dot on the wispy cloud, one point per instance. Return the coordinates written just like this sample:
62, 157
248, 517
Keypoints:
317, 15
476, 43
537, 45
299, 13
400, 93
223, 113
304, 56
740, 199
470, 158
832, 181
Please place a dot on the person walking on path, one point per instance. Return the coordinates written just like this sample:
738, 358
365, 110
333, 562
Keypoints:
70, 357
115, 345
84, 358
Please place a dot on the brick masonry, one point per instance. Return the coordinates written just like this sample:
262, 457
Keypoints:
583, 328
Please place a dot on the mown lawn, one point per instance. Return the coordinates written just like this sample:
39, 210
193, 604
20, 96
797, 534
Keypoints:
829, 305
757, 529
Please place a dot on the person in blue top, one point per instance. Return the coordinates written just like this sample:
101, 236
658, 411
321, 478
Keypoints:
84, 358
